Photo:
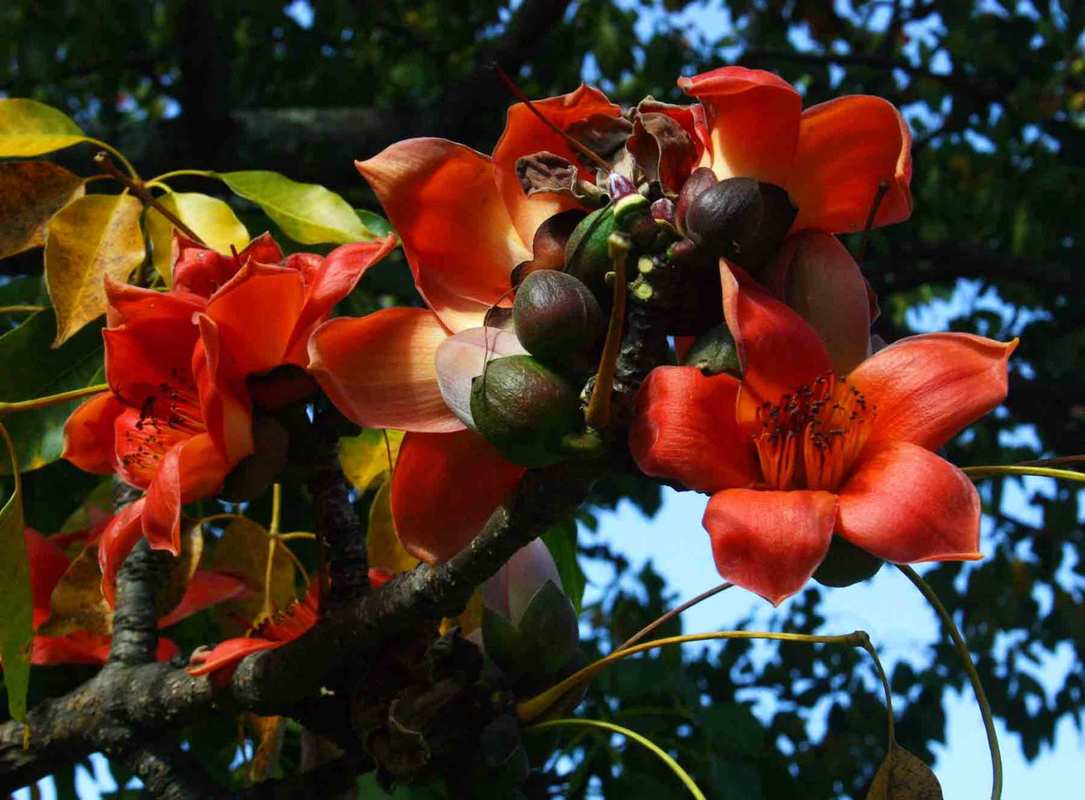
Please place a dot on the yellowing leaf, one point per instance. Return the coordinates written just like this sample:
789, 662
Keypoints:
269, 744
243, 551
30, 128
471, 618
307, 212
903, 776
210, 218
77, 602
369, 456
16, 621
382, 542
182, 568
31, 192
92, 237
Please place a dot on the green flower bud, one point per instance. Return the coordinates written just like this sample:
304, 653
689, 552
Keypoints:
714, 352
524, 409
845, 564
587, 256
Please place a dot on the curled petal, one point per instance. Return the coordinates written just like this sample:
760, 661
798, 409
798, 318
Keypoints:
190, 470
846, 148
461, 254
905, 504
380, 370
225, 657
203, 271
752, 121
926, 388
778, 349
817, 277
525, 134
462, 357
684, 428
444, 488
127, 303
770, 542
88, 434
116, 542
207, 588
326, 286
223, 394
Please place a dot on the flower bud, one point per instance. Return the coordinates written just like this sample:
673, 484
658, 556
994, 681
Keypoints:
619, 186
587, 256
556, 316
699, 181
740, 219
845, 564
524, 410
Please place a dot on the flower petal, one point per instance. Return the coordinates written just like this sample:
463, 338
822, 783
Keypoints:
78, 647
341, 271
444, 488
88, 434
190, 470
926, 388
47, 565
906, 504
256, 313
380, 370
116, 542
458, 237
207, 588
525, 134
202, 271
770, 542
227, 655
225, 403
684, 428
753, 122
462, 357
848, 146
817, 277
778, 349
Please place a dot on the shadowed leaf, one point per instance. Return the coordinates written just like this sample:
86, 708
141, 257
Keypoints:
31, 192
902, 776
243, 551
92, 237
16, 616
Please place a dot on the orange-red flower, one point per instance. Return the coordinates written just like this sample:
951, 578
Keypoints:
793, 453
830, 157
178, 416
48, 564
465, 223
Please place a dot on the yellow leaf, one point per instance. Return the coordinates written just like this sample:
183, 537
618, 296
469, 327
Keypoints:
268, 732
243, 551
31, 192
182, 568
903, 776
30, 128
210, 218
369, 456
77, 602
471, 618
92, 237
385, 551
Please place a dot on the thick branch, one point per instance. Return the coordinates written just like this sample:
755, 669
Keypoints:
168, 773
135, 618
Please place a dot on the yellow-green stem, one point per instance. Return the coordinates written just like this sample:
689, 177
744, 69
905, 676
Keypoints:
287, 537
538, 705
178, 173
51, 400
1041, 472
598, 414
660, 753
21, 309
970, 669
120, 156
869, 647
17, 489
668, 616
276, 508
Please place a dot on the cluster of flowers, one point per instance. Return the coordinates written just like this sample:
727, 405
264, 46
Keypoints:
811, 437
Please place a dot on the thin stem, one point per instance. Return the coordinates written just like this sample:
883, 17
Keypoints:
220, 517
177, 173
598, 413
276, 508
120, 157
21, 309
139, 189
287, 537
266, 609
879, 195
1050, 462
518, 93
17, 477
973, 676
1042, 472
536, 706
51, 400
869, 647
659, 752
674, 612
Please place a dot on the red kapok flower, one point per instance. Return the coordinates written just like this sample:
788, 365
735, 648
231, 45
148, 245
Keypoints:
830, 157
465, 223
178, 416
793, 453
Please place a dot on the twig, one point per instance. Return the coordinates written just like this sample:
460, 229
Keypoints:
674, 612
139, 189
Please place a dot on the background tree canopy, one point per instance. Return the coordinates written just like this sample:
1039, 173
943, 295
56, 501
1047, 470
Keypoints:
995, 94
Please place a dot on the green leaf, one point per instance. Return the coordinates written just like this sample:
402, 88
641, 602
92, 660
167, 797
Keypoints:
93, 237
30, 128
375, 222
307, 213
560, 540
210, 218
16, 621
903, 776
32, 369
368, 458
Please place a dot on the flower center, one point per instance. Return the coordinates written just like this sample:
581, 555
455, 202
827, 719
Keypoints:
810, 439
167, 417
